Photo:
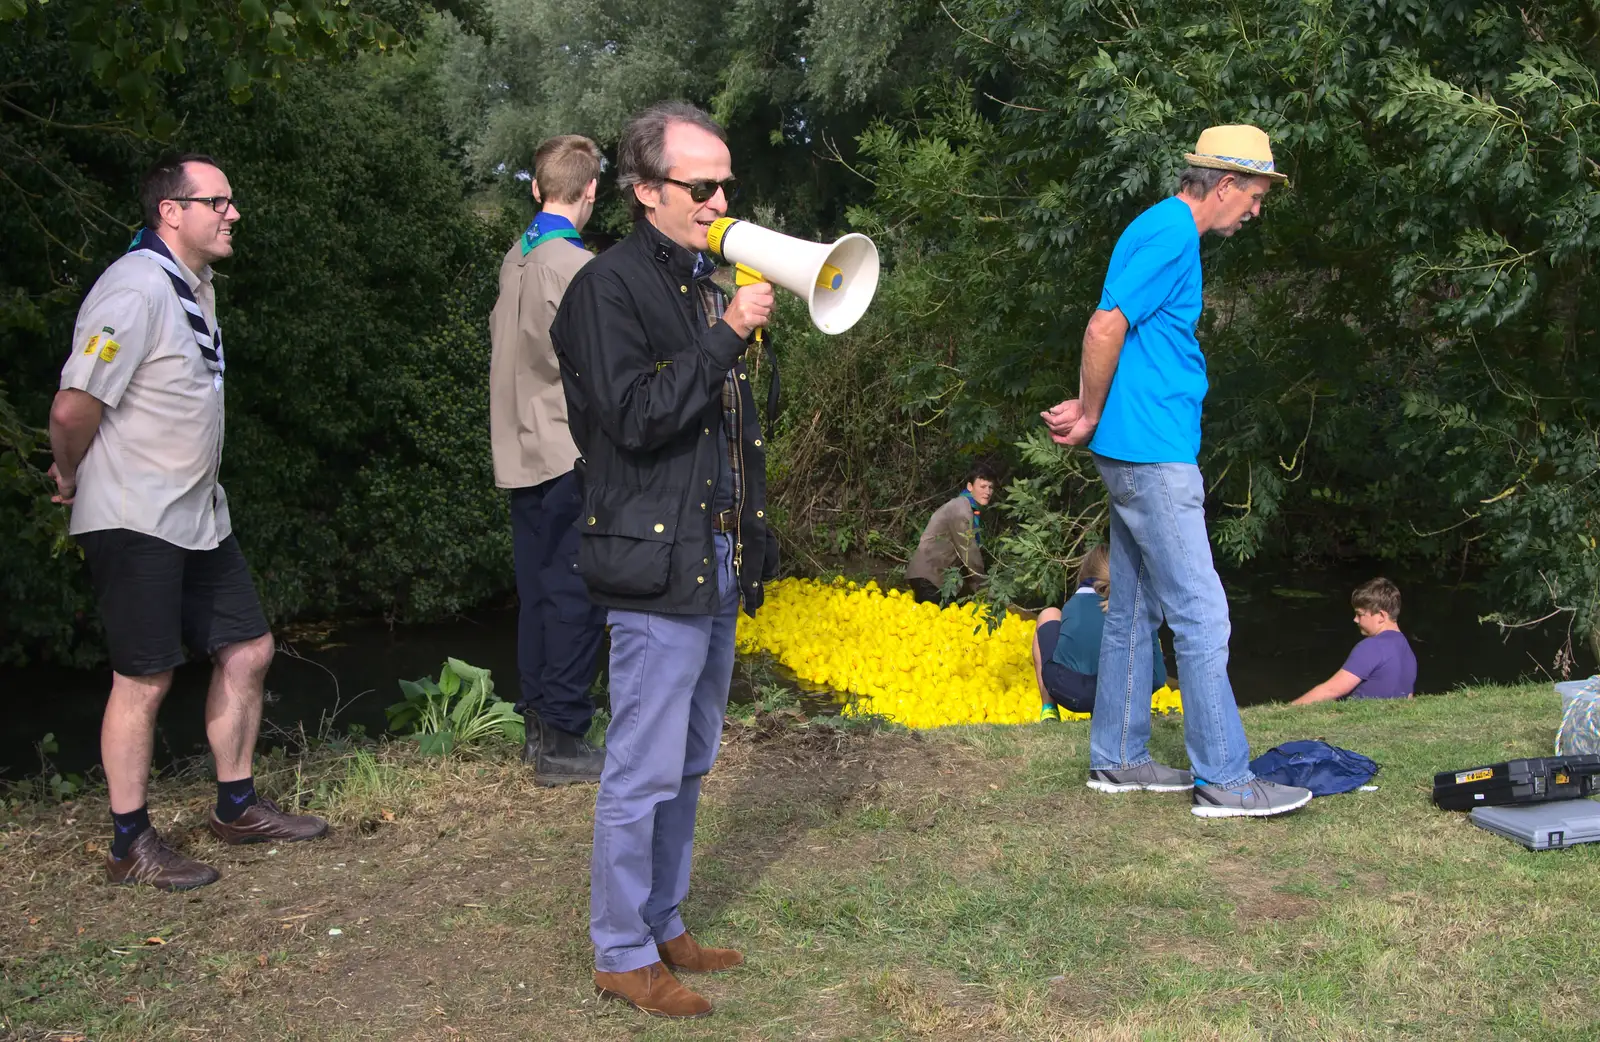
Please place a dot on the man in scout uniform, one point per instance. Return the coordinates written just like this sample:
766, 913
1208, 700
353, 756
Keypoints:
136, 430
674, 534
558, 628
1142, 381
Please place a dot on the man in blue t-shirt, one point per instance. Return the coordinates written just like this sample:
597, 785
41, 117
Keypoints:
1382, 665
1142, 381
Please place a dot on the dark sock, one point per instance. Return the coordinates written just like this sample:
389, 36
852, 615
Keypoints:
235, 797
125, 828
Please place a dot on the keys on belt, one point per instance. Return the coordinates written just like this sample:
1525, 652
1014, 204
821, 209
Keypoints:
726, 521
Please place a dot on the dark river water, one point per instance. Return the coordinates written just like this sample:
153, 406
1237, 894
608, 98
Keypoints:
1290, 630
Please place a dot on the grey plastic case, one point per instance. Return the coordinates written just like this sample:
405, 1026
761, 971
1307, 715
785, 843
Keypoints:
1543, 826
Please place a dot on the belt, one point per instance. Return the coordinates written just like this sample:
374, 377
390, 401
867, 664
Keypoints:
726, 521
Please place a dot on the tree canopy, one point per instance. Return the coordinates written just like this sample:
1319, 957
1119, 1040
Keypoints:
1400, 350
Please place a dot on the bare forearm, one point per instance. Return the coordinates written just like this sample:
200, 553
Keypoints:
1102, 347
1320, 693
74, 421
1336, 686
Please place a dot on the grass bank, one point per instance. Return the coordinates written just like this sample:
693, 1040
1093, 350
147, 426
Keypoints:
956, 884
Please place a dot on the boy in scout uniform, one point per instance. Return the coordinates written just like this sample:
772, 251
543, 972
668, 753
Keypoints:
136, 431
559, 630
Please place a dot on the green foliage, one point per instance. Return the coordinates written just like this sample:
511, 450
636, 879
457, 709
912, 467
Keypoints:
36, 605
598, 725
791, 82
49, 785
1397, 351
1058, 514
460, 710
357, 459
132, 49
1438, 238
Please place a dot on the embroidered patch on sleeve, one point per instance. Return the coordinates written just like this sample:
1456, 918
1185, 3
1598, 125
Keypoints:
108, 331
93, 343
109, 351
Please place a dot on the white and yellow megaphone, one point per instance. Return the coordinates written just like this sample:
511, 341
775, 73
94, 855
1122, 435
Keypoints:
836, 280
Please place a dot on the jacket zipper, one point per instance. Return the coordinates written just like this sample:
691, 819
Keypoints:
738, 500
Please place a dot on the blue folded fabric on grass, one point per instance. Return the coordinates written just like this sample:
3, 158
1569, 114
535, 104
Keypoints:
1324, 769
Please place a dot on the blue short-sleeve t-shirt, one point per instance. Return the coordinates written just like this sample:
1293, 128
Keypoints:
1386, 665
1152, 414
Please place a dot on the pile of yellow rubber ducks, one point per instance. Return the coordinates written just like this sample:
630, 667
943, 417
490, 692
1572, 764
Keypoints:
916, 664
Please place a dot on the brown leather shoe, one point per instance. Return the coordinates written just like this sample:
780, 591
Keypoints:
683, 952
654, 990
151, 862
265, 823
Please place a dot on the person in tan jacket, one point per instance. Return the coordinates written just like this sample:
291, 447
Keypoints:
559, 631
953, 537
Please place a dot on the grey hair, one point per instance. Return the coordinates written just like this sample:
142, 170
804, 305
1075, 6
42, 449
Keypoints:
1203, 179
642, 152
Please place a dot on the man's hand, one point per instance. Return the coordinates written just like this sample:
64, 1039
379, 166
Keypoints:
750, 308
66, 488
1068, 423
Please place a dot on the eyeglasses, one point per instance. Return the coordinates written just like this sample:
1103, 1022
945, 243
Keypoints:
702, 190
218, 203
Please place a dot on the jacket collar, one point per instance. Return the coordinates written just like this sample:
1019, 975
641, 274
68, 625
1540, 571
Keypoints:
680, 263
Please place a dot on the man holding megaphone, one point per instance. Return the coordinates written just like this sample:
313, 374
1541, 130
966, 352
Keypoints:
674, 534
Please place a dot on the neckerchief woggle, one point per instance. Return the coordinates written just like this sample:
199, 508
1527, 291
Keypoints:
546, 226
149, 244
977, 517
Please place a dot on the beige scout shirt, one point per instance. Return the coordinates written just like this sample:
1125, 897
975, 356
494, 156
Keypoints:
152, 466
947, 541
527, 407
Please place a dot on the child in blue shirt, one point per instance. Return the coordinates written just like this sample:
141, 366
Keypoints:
1066, 644
1382, 664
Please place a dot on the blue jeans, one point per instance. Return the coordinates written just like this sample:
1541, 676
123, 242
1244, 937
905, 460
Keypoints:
1161, 565
669, 693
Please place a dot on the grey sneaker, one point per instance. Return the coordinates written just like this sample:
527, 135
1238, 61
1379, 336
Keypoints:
1150, 777
1253, 799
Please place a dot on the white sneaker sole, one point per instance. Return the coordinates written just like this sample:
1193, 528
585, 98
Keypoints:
1105, 786
1241, 812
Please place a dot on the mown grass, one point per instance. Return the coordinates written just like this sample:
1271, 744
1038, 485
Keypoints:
958, 884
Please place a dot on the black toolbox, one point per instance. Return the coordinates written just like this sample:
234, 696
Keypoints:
1518, 781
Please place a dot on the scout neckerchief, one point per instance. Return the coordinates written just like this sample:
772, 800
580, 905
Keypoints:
977, 518
546, 226
149, 244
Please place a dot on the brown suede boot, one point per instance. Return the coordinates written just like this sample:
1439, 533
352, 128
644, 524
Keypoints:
654, 990
683, 952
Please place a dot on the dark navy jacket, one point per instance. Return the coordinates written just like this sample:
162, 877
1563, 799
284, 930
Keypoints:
643, 375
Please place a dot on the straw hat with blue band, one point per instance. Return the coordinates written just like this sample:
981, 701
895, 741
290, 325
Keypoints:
1240, 148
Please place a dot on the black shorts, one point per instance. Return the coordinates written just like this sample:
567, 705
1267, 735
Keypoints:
155, 598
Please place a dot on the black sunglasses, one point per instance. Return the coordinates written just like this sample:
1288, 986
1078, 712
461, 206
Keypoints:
218, 203
702, 190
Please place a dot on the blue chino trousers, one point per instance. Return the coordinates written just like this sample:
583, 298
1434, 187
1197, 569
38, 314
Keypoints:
1161, 565
669, 694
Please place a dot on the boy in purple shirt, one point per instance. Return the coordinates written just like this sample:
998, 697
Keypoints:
1382, 665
